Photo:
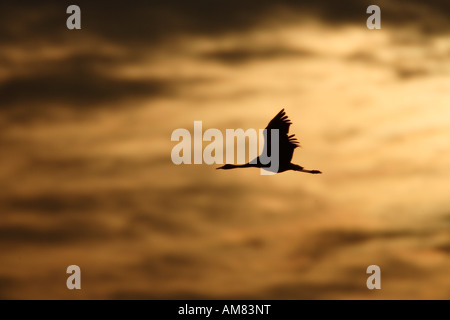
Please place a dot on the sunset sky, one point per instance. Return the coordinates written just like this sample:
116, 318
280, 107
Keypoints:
87, 177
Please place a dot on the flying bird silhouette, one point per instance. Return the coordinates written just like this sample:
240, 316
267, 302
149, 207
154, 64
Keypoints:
287, 145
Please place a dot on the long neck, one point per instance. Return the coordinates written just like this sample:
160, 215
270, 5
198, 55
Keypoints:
246, 165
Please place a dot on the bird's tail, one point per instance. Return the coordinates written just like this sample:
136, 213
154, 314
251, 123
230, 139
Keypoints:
296, 167
311, 171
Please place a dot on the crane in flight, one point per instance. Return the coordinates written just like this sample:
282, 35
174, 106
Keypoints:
287, 145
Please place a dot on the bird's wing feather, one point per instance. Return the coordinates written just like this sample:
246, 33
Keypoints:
287, 143
280, 122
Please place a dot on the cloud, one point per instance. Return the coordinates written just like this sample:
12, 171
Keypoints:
6, 284
83, 78
238, 56
52, 203
325, 242
81, 82
81, 88
313, 290
146, 23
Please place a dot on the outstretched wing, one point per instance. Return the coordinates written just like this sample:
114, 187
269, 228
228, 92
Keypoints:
287, 143
280, 122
